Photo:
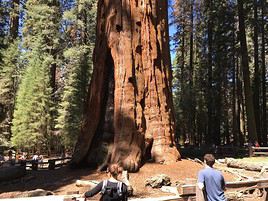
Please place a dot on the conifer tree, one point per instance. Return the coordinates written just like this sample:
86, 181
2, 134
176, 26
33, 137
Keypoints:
32, 123
77, 61
9, 76
9, 65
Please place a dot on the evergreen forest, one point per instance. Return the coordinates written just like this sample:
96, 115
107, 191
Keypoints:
219, 68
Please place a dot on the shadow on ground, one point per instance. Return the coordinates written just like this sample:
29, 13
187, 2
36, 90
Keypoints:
50, 180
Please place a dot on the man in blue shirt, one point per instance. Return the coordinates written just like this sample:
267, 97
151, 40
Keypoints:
211, 181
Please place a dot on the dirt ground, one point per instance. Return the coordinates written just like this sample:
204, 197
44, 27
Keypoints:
62, 181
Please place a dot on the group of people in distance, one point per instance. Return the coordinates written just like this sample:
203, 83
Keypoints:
12, 158
210, 182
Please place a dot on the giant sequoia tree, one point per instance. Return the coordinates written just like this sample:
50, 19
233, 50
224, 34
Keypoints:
129, 104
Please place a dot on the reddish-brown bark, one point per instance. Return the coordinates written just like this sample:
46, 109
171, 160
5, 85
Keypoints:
129, 102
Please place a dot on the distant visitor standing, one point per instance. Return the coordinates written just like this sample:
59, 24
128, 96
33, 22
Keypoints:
2, 159
211, 181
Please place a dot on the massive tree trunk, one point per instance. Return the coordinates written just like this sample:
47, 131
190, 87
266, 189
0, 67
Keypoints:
247, 88
129, 102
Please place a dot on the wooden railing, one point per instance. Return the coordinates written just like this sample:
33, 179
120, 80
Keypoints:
254, 151
51, 164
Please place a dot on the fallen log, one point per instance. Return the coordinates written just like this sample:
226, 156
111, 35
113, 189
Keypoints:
170, 189
12, 172
235, 173
244, 165
261, 183
34, 193
86, 183
190, 189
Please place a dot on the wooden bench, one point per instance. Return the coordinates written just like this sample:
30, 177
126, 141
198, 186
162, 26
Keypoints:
257, 151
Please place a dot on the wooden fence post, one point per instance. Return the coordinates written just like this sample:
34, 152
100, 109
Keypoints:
251, 151
34, 165
51, 164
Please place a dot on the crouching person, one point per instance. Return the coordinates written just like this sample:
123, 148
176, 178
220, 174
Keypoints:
110, 189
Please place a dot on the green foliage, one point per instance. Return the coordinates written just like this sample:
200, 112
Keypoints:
78, 65
55, 34
10, 69
73, 99
202, 91
42, 24
33, 115
31, 123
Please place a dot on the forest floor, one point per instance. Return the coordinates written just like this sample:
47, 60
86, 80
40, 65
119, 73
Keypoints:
61, 181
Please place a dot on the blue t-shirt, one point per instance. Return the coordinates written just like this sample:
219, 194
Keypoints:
214, 183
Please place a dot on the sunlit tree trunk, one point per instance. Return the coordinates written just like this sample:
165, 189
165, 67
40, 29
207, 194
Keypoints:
132, 76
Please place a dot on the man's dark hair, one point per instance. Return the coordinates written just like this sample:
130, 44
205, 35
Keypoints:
209, 159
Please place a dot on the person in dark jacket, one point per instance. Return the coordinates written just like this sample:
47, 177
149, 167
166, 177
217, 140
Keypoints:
111, 189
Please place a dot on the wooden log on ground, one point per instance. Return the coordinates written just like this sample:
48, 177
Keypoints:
244, 165
86, 183
34, 193
170, 189
261, 183
12, 172
190, 189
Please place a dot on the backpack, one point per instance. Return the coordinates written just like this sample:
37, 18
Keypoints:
112, 193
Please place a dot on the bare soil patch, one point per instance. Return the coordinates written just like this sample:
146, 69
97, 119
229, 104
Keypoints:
61, 181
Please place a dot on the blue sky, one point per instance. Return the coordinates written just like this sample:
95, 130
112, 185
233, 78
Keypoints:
171, 33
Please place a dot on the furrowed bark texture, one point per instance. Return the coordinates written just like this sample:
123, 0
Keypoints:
129, 102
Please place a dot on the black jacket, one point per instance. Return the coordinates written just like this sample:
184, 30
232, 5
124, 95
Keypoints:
105, 196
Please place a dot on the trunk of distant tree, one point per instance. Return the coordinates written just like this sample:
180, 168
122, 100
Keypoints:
182, 81
256, 92
251, 125
235, 112
264, 108
219, 88
239, 104
53, 68
14, 19
209, 87
191, 114
226, 101
234, 104
129, 103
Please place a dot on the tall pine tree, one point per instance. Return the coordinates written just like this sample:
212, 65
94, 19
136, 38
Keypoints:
32, 121
77, 61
